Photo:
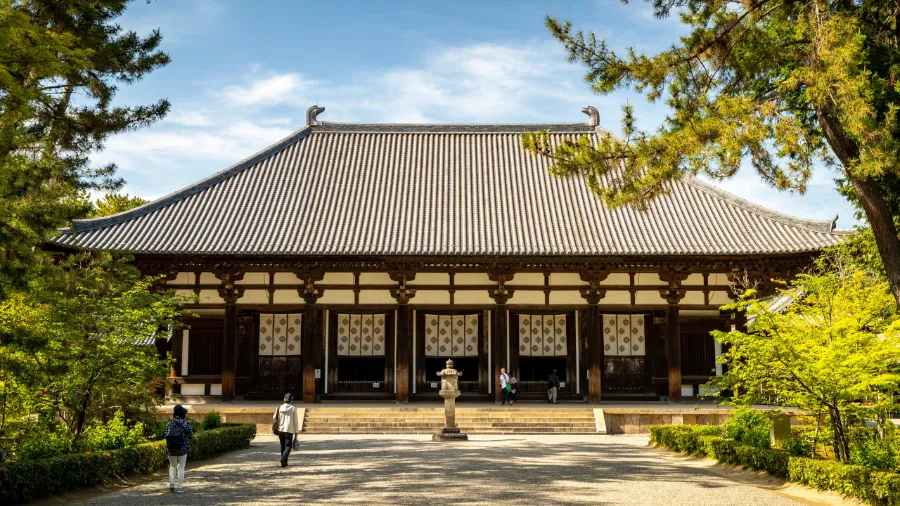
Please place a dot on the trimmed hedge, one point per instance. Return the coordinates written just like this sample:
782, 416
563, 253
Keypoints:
874, 487
28, 479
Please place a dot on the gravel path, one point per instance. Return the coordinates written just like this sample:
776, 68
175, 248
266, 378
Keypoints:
487, 470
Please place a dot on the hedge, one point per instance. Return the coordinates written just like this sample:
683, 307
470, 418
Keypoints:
26, 480
873, 487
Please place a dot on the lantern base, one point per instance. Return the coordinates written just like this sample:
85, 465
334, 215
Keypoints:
450, 434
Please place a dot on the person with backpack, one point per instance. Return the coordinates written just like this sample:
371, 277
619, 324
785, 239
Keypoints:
178, 437
286, 423
513, 386
552, 387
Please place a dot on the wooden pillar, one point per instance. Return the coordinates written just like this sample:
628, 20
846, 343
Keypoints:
498, 347
311, 350
404, 349
673, 352
592, 334
402, 294
673, 296
230, 293
229, 354
311, 346
595, 353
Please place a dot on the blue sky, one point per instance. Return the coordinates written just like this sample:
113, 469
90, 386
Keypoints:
243, 74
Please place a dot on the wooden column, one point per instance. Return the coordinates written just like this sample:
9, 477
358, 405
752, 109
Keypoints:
229, 352
311, 352
402, 294
673, 296
592, 335
501, 295
230, 294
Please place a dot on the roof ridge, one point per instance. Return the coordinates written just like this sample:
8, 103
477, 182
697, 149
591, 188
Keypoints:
178, 195
826, 226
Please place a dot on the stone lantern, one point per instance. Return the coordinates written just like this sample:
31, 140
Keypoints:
449, 391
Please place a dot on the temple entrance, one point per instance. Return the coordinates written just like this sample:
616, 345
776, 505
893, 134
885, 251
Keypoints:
360, 374
468, 366
534, 372
624, 354
279, 363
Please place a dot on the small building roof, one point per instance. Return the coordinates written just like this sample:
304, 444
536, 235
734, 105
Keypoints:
427, 189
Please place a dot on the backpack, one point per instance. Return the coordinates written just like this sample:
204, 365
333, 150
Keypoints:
276, 424
175, 437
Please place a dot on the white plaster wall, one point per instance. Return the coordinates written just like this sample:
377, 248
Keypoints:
194, 389
208, 278
647, 278
254, 278
189, 293
337, 278
183, 278
471, 278
649, 297
719, 279
472, 297
430, 278
691, 298
254, 297
527, 297
719, 298
336, 297
699, 313
210, 297
566, 278
430, 297
693, 280
568, 297
215, 389
377, 297
617, 297
376, 278
527, 278
287, 278
617, 278
287, 297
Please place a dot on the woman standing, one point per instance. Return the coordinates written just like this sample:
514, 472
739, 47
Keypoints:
288, 422
178, 437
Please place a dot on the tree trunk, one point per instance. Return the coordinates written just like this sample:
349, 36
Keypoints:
870, 198
841, 445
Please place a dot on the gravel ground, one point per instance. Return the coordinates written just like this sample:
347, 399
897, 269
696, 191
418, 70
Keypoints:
486, 470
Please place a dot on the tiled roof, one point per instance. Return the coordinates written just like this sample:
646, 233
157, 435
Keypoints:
385, 189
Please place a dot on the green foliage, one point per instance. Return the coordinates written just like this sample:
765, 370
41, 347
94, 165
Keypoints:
873, 487
61, 66
195, 425
114, 203
749, 426
831, 352
76, 339
782, 87
112, 435
212, 420
26, 480
799, 446
42, 444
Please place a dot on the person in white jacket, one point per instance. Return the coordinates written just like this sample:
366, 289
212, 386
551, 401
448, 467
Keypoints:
288, 425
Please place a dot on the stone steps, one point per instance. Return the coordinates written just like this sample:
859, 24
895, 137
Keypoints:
492, 420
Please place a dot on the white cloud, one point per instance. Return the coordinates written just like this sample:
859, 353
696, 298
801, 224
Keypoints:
273, 90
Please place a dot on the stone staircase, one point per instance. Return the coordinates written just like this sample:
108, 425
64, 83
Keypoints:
487, 420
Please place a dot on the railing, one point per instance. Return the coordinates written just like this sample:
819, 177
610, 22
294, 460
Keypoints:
279, 374
624, 375
470, 386
530, 387
359, 386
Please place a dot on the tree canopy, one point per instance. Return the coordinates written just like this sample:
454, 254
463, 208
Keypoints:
784, 87
61, 63
114, 203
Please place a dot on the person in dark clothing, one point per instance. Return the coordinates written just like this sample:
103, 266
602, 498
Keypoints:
552, 387
178, 437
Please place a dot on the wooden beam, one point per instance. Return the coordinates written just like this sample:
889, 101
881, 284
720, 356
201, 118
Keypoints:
229, 352
498, 347
673, 352
595, 353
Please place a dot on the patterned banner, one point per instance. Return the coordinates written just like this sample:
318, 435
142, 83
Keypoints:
624, 335
451, 336
279, 334
543, 335
361, 334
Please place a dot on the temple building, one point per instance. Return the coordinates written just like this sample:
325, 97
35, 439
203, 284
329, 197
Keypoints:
351, 260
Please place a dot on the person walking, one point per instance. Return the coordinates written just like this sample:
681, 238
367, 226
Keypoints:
178, 437
552, 387
504, 386
513, 384
288, 422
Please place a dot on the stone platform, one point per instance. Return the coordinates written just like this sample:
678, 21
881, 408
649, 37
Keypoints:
472, 418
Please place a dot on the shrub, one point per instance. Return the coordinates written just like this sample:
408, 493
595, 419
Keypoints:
750, 427
26, 480
195, 425
155, 431
212, 420
112, 435
44, 443
798, 446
